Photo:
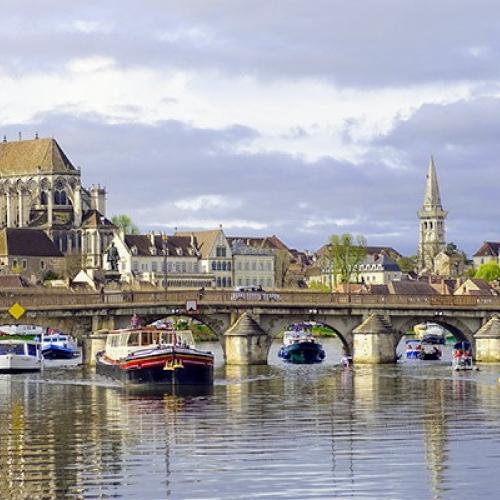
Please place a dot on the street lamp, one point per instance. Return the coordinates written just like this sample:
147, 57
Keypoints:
165, 263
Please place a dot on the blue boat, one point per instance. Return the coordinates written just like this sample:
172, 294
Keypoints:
419, 350
413, 349
58, 346
300, 347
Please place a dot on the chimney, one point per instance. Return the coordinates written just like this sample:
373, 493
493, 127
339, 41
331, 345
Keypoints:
20, 136
4, 138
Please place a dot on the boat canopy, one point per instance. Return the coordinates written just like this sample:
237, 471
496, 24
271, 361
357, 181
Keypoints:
121, 343
463, 345
412, 341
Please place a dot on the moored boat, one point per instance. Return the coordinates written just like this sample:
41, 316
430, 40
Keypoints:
155, 355
300, 347
19, 356
57, 345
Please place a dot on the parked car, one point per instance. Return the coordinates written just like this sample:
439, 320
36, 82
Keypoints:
249, 288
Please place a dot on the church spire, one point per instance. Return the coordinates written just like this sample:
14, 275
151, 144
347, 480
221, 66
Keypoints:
432, 199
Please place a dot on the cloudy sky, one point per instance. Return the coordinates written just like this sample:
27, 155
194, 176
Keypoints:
301, 118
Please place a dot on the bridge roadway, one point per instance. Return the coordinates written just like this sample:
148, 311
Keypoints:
83, 312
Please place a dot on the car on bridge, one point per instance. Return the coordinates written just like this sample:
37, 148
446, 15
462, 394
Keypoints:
254, 292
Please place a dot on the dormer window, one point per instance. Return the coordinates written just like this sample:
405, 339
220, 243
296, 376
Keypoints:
179, 251
134, 250
153, 251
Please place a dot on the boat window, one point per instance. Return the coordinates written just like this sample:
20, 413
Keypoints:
31, 349
147, 338
133, 339
11, 348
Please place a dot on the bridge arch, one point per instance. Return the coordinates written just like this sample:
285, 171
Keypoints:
457, 327
341, 326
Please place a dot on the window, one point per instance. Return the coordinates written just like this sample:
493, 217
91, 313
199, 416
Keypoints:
43, 198
254, 266
229, 282
214, 266
177, 267
42, 265
223, 282
183, 267
223, 266
254, 281
154, 267
247, 266
239, 281
218, 281
14, 263
135, 265
229, 266
220, 251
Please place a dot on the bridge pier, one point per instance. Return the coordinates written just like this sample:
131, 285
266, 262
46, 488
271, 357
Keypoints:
488, 341
246, 343
374, 342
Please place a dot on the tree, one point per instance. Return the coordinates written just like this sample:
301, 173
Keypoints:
346, 252
281, 267
490, 271
407, 264
124, 222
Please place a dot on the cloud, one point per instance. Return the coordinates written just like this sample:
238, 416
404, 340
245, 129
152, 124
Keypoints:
207, 201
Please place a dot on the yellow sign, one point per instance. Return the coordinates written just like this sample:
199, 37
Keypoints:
17, 310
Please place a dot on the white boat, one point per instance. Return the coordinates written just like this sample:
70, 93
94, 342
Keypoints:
19, 355
462, 357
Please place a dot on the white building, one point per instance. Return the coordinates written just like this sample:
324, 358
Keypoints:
164, 261
252, 266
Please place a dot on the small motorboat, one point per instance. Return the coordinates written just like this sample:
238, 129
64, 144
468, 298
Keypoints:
430, 352
462, 357
300, 347
155, 355
58, 345
19, 356
422, 351
413, 349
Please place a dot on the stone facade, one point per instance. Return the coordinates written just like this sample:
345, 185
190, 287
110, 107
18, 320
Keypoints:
40, 188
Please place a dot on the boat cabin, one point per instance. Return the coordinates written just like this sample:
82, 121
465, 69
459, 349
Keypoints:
123, 343
295, 336
19, 348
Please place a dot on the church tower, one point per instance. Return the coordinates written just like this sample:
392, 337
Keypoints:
432, 217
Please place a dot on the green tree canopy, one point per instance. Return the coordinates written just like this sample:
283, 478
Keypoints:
407, 264
490, 271
345, 254
124, 222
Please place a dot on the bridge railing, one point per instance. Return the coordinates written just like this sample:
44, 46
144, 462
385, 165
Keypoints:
178, 298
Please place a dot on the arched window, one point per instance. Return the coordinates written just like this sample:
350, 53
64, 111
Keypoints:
43, 198
223, 282
63, 198
57, 197
214, 266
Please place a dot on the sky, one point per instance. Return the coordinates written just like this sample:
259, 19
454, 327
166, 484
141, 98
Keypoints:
297, 118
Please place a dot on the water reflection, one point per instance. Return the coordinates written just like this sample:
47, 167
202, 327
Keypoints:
269, 431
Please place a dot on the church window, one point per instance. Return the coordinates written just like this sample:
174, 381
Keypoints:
63, 198
229, 266
43, 198
57, 197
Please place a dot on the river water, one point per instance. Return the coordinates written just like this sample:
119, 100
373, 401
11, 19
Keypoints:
413, 430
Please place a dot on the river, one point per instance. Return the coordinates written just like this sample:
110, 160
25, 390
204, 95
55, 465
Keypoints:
412, 430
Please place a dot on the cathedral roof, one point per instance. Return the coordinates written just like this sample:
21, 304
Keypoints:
27, 243
33, 157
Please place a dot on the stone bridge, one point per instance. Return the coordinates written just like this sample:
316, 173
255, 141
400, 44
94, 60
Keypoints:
267, 314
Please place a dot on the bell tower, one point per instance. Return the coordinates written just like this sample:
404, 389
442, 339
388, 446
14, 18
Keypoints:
432, 217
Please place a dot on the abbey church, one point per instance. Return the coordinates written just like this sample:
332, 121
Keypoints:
41, 189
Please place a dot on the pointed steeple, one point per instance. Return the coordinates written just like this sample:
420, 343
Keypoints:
432, 199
